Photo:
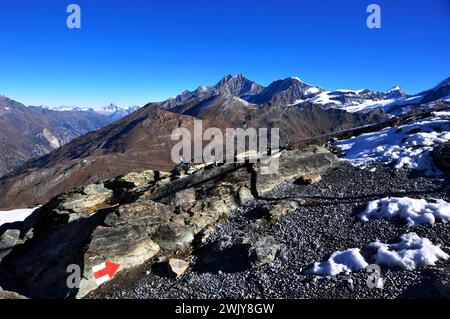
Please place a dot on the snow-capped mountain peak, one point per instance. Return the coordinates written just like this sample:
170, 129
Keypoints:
114, 111
395, 92
111, 110
237, 85
112, 106
393, 89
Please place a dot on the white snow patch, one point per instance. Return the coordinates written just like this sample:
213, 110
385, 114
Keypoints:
312, 91
366, 105
16, 215
414, 211
324, 98
327, 98
296, 102
371, 104
406, 146
415, 99
410, 253
340, 261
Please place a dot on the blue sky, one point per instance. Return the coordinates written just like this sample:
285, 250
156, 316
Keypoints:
136, 51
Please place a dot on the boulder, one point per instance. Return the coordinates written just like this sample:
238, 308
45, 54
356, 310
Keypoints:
124, 245
87, 199
177, 267
282, 208
140, 216
138, 180
311, 160
69, 231
40, 264
309, 179
4, 294
263, 251
245, 195
184, 197
9, 239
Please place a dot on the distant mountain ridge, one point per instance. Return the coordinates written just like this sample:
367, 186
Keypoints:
285, 92
28, 132
294, 91
281, 92
112, 110
237, 85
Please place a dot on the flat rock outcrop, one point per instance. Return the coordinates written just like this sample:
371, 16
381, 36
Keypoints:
136, 217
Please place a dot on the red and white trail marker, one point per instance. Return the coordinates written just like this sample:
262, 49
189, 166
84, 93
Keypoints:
104, 272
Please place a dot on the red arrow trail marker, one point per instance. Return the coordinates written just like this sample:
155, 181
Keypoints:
104, 272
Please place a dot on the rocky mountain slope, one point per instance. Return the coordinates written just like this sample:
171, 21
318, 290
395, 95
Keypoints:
30, 132
142, 140
282, 92
422, 100
291, 228
138, 142
293, 91
238, 86
227, 231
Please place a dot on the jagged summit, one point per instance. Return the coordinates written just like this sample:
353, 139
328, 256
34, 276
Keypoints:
396, 92
237, 85
294, 91
282, 92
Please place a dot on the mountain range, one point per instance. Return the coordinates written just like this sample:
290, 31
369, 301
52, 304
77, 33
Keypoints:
293, 91
29, 132
112, 111
142, 141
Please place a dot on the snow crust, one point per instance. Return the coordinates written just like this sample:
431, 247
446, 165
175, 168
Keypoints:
340, 261
414, 211
410, 253
406, 146
16, 215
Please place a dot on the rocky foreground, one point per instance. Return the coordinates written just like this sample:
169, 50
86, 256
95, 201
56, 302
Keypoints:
133, 218
294, 226
223, 231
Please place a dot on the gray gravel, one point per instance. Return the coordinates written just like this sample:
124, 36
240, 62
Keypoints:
308, 234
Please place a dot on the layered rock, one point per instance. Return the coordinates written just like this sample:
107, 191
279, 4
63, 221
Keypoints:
296, 164
136, 217
263, 251
4, 294
9, 239
177, 267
